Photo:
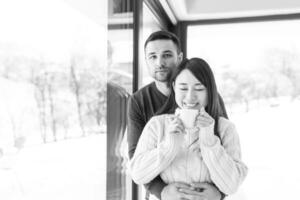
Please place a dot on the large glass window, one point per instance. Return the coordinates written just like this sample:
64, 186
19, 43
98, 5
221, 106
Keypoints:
150, 25
53, 100
257, 67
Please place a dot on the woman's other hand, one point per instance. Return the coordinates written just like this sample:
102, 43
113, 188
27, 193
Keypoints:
204, 120
205, 123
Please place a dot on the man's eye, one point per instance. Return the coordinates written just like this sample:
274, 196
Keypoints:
167, 55
152, 57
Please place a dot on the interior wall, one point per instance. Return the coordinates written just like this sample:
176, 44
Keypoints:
215, 6
94, 9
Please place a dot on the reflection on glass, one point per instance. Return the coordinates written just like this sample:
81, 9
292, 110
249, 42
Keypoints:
121, 6
120, 70
257, 67
52, 103
117, 185
120, 57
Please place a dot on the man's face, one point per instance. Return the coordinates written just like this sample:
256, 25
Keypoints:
161, 58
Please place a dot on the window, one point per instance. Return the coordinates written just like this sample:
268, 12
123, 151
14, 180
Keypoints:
53, 100
257, 68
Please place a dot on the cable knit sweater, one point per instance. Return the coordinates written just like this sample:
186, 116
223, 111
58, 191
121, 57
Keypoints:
175, 159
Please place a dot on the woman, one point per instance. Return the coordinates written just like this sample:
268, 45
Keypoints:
212, 152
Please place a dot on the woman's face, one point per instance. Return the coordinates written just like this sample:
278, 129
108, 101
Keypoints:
190, 93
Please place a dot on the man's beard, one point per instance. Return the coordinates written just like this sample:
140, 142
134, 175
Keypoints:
163, 78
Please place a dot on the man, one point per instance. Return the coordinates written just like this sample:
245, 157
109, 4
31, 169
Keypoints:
162, 54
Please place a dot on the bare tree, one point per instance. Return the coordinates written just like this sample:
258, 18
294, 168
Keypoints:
39, 81
49, 81
76, 89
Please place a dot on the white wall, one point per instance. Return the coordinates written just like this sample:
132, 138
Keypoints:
94, 9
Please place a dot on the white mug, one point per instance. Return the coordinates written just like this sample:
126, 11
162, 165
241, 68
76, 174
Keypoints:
187, 116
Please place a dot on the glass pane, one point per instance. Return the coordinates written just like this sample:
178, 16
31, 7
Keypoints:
53, 100
120, 70
257, 67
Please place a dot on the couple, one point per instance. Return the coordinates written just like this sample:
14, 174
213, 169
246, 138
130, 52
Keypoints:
208, 168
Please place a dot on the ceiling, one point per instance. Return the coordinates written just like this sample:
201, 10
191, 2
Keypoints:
190, 10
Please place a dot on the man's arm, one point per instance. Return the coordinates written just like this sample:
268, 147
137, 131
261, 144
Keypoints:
136, 123
156, 186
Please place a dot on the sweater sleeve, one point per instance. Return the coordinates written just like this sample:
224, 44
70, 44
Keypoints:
154, 151
224, 163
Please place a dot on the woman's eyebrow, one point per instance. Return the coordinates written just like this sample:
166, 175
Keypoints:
196, 84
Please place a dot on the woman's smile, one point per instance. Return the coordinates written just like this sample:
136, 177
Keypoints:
190, 105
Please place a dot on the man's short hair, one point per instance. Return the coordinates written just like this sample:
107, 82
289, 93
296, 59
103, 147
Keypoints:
164, 35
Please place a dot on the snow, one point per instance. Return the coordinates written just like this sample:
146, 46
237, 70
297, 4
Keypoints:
270, 138
71, 169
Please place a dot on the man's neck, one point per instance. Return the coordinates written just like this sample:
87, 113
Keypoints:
163, 87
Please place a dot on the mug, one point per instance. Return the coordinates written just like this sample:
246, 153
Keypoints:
187, 116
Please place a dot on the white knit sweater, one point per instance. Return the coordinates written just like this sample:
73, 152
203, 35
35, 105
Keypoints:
175, 159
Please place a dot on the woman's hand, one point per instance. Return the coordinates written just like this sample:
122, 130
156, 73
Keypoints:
175, 126
205, 123
174, 133
204, 119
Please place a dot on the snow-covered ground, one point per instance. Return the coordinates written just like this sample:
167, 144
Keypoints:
71, 169
270, 138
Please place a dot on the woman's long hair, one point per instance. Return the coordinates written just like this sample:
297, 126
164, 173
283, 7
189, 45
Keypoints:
202, 71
